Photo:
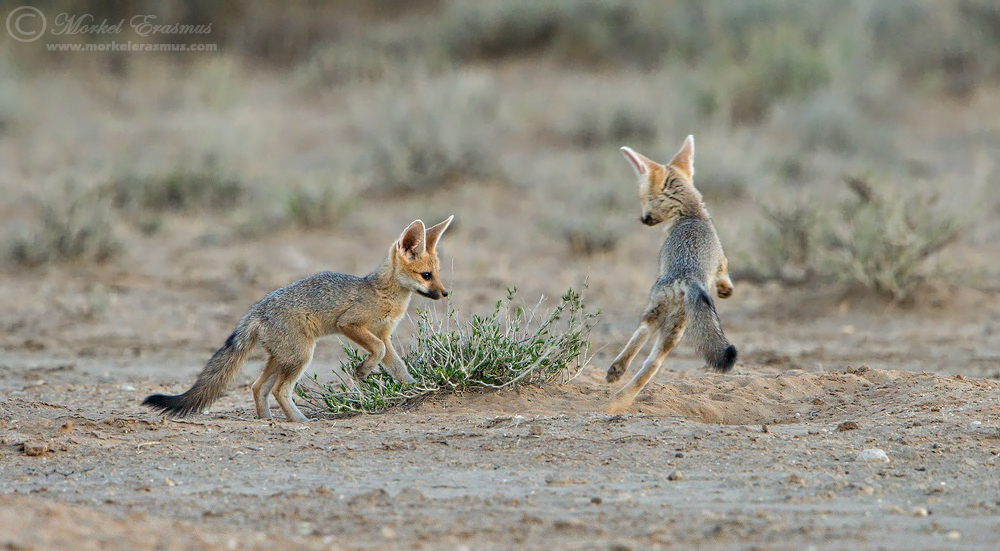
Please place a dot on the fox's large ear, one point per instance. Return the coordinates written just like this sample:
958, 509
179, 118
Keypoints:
412, 242
684, 159
434, 233
640, 163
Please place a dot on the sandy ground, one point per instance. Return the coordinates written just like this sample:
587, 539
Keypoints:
519, 470
762, 458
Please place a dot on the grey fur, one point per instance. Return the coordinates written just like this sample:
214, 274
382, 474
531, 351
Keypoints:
691, 262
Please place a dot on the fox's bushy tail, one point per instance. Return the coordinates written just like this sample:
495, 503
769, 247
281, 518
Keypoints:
703, 323
218, 373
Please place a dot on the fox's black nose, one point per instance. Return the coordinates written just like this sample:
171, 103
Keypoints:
647, 219
444, 293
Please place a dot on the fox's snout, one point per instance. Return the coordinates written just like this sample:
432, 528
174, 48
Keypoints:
434, 294
437, 295
649, 220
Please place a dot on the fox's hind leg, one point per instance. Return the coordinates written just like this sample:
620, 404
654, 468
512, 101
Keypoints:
669, 335
289, 370
621, 363
262, 388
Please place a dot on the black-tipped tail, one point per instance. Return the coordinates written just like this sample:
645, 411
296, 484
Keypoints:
703, 323
218, 372
167, 405
723, 362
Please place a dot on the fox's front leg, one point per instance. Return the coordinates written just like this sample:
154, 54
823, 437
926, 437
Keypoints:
394, 364
367, 340
723, 285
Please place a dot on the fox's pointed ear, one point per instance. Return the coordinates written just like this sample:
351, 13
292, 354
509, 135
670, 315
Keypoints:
412, 243
684, 159
640, 163
434, 232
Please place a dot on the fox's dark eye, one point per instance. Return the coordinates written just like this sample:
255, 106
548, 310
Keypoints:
426, 275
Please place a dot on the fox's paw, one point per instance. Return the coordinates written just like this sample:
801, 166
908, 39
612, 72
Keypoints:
724, 288
360, 373
615, 372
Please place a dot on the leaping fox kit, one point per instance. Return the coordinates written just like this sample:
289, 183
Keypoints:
691, 263
287, 322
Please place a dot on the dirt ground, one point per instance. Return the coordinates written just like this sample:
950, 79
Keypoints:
765, 457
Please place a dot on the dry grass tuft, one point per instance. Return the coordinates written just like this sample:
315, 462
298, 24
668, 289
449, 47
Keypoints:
587, 240
442, 132
76, 225
886, 243
611, 125
317, 206
178, 190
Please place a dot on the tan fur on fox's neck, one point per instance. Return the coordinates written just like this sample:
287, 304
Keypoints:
384, 277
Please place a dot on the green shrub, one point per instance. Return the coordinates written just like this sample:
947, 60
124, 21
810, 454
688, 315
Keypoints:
511, 348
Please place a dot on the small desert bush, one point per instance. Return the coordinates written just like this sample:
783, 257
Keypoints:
884, 242
345, 63
218, 81
317, 206
726, 170
787, 243
510, 348
614, 125
834, 121
76, 225
587, 31
182, 189
586, 239
780, 64
955, 43
431, 133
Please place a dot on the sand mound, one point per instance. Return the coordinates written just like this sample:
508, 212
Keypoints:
749, 398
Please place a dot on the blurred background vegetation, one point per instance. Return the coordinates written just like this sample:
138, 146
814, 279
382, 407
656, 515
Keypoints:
787, 99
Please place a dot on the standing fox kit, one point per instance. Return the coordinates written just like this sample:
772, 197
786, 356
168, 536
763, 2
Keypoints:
691, 263
287, 322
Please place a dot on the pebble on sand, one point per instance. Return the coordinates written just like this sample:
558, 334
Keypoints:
674, 476
872, 455
846, 426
